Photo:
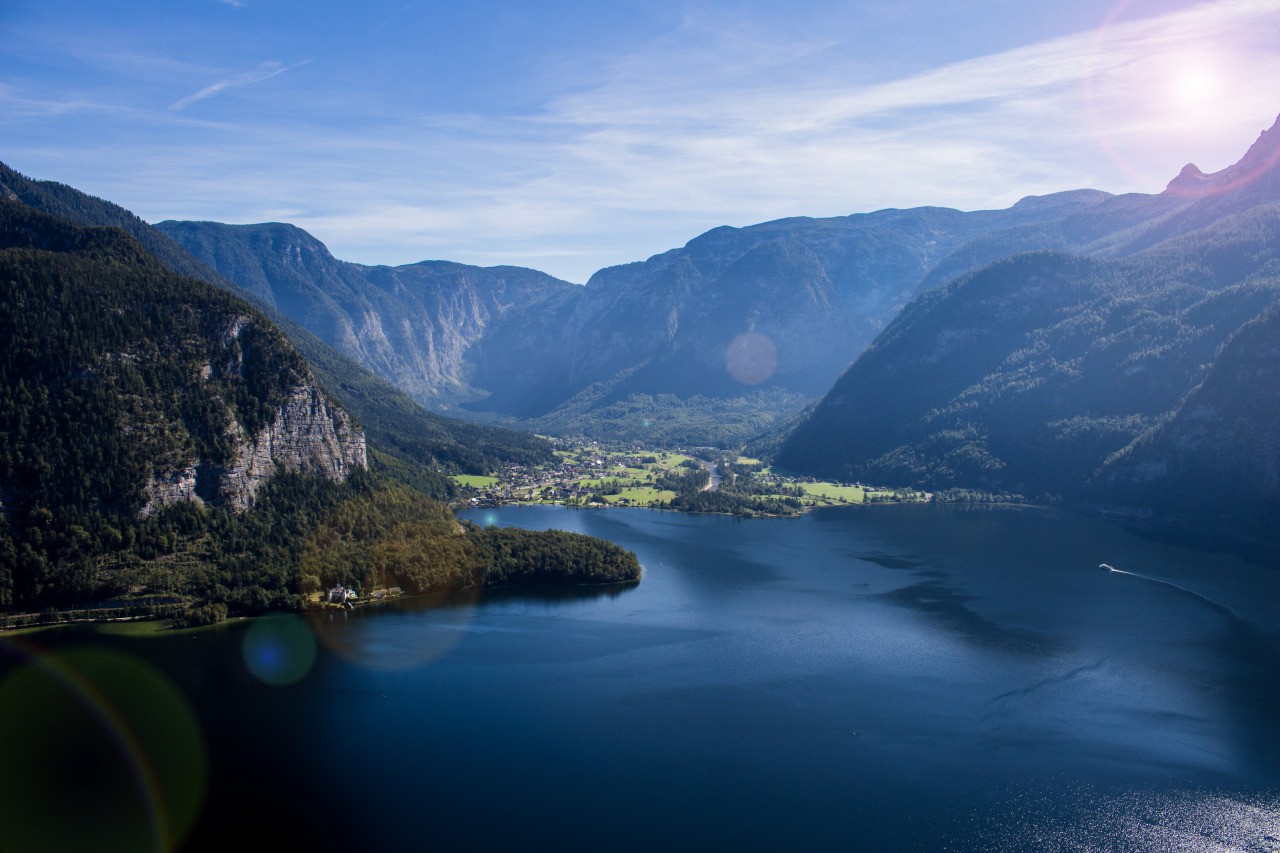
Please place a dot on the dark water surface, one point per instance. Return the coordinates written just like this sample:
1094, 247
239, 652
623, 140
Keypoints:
885, 678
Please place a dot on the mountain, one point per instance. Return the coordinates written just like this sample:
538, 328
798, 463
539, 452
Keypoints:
404, 436
1074, 374
163, 445
236, 403
716, 341
1213, 464
1122, 225
720, 341
81, 208
411, 324
127, 390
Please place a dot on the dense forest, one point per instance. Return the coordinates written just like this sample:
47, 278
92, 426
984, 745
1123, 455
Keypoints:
396, 537
1028, 375
115, 372
410, 440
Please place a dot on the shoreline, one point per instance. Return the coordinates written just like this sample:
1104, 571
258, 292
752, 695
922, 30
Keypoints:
929, 499
157, 626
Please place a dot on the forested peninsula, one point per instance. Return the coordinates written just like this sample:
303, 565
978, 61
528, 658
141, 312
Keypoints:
164, 450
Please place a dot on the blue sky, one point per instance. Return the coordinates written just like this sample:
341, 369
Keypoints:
568, 136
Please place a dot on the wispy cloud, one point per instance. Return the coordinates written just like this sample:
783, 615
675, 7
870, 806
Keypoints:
237, 3
265, 71
636, 152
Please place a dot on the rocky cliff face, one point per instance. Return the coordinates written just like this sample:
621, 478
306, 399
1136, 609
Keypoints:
305, 432
308, 435
130, 388
413, 325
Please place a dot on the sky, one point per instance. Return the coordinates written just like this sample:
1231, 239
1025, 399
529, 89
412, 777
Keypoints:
568, 136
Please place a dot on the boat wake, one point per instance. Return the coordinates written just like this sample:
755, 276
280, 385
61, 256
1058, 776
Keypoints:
1216, 605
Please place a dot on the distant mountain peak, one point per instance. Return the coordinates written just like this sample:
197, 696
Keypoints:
1262, 157
1189, 180
1037, 202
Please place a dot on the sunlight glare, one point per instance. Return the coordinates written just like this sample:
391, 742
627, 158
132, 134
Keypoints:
1194, 86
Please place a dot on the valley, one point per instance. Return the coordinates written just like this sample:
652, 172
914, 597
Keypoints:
272, 421
592, 474
671, 426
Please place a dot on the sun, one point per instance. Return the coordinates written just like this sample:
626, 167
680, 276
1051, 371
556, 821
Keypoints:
1194, 86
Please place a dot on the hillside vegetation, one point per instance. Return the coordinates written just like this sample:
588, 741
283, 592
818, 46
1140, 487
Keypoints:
1137, 379
410, 440
162, 444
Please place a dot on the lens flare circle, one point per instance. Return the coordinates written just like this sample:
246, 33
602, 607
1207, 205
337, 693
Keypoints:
279, 650
419, 631
751, 358
98, 751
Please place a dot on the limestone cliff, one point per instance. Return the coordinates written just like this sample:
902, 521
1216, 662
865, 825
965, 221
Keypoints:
412, 324
308, 435
129, 388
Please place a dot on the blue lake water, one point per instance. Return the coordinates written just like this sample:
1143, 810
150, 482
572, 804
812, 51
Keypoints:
882, 678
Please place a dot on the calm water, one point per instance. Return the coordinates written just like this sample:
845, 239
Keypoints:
888, 678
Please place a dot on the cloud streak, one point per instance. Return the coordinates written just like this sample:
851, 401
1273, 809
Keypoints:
630, 154
265, 71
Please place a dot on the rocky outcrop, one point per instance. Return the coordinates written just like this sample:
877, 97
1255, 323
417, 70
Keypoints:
1261, 159
170, 488
413, 325
308, 435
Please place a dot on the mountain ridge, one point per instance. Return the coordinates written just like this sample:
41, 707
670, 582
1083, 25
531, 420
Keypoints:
165, 451
409, 323
405, 436
810, 293
1081, 374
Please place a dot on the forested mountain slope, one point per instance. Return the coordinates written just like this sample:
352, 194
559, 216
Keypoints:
1213, 464
161, 441
1084, 377
715, 341
404, 435
125, 389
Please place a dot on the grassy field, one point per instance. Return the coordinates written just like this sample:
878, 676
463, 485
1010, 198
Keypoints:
672, 460
475, 481
833, 492
597, 469
644, 497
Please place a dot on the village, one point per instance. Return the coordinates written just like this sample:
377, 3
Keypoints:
592, 474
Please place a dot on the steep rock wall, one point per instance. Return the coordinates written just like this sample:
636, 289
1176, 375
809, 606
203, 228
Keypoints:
308, 435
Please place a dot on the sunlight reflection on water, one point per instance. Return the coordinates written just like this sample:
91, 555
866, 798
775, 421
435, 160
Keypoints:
1176, 822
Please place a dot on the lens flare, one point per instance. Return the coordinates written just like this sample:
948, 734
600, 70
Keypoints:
1184, 88
98, 751
279, 650
1193, 86
400, 643
751, 358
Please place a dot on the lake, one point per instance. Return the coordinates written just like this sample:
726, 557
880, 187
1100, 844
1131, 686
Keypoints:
911, 677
